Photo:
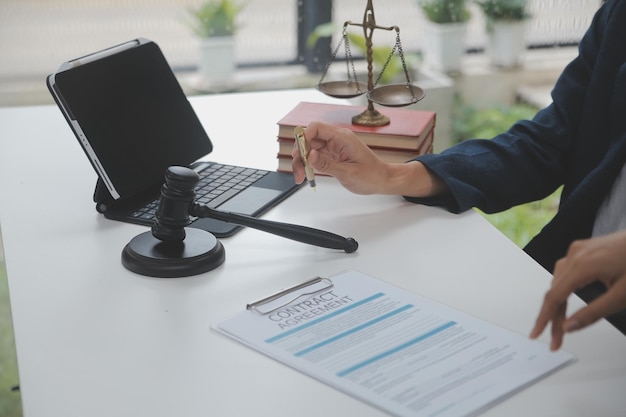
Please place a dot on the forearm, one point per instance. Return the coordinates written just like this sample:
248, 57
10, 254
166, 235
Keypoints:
411, 179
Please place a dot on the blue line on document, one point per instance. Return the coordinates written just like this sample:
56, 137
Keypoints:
353, 330
316, 321
396, 349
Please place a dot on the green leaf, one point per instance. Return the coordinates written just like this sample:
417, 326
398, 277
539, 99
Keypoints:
445, 11
215, 18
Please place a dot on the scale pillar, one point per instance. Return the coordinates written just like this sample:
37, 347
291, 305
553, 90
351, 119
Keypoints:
370, 117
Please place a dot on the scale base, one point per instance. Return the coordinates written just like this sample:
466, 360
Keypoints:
370, 118
198, 253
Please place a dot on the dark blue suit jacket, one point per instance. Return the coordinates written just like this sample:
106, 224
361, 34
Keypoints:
579, 141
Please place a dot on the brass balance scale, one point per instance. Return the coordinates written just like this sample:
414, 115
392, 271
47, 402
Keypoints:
393, 95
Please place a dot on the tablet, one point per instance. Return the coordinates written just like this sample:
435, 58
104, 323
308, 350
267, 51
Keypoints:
130, 115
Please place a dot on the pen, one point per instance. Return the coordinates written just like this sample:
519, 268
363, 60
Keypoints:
310, 175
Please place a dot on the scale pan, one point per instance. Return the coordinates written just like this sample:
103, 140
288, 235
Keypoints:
342, 89
396, 95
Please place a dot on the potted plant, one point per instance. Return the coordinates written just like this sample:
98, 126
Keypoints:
443, 44
214, 25
505, 22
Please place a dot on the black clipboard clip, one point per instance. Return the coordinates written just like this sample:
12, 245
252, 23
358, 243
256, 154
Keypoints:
319, 284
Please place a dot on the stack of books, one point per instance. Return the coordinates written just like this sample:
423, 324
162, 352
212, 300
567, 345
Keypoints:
410, 132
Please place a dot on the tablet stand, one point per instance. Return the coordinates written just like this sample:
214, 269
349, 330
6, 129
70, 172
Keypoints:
102, 197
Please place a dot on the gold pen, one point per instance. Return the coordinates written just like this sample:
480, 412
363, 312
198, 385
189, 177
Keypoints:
304, 153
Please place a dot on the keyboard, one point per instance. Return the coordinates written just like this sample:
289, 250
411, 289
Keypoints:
218, 184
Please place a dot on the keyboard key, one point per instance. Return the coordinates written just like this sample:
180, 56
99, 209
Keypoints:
218, 183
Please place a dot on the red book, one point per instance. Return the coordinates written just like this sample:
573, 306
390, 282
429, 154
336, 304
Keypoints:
406, 130
285, 146
386, 154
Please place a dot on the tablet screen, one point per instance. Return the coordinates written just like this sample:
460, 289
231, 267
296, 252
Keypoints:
134, 115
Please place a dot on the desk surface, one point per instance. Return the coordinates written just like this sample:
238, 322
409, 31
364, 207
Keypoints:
94, 339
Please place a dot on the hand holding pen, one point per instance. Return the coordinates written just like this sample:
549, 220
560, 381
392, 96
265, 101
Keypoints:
304, 153
339, 153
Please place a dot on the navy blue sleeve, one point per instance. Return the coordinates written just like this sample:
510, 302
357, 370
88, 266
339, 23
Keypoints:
534, 157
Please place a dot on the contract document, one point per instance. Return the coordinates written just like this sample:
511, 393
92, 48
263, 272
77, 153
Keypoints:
397, 351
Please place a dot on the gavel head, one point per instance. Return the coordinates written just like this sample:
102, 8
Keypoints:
177, 194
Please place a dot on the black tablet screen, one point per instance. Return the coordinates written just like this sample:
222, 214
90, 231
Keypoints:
135, 116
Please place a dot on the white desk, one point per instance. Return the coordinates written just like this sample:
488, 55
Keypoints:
96, 340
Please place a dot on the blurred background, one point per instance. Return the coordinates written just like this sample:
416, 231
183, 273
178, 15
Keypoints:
36, 36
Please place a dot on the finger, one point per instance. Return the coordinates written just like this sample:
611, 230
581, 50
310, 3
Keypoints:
321, 135
322, 163
297, 166
562, 286
552, 301
319, 132
547, 313
571, 273
552, 310
541, 321
540, 324
557, 327
613, 301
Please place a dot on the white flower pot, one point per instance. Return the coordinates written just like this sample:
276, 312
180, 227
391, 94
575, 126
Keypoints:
507, 43
216, 59
443, 46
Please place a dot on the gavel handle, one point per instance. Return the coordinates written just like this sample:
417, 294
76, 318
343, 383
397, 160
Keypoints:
295, 232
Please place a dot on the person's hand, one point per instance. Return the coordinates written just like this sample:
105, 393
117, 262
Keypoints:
340, 153
601, 258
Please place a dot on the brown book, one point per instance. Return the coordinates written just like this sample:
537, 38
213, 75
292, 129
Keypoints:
406, 130
386, 154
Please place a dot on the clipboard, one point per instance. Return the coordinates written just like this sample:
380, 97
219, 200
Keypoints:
391, 348
290, 295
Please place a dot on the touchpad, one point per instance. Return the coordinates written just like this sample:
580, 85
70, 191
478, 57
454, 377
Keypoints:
249, 200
